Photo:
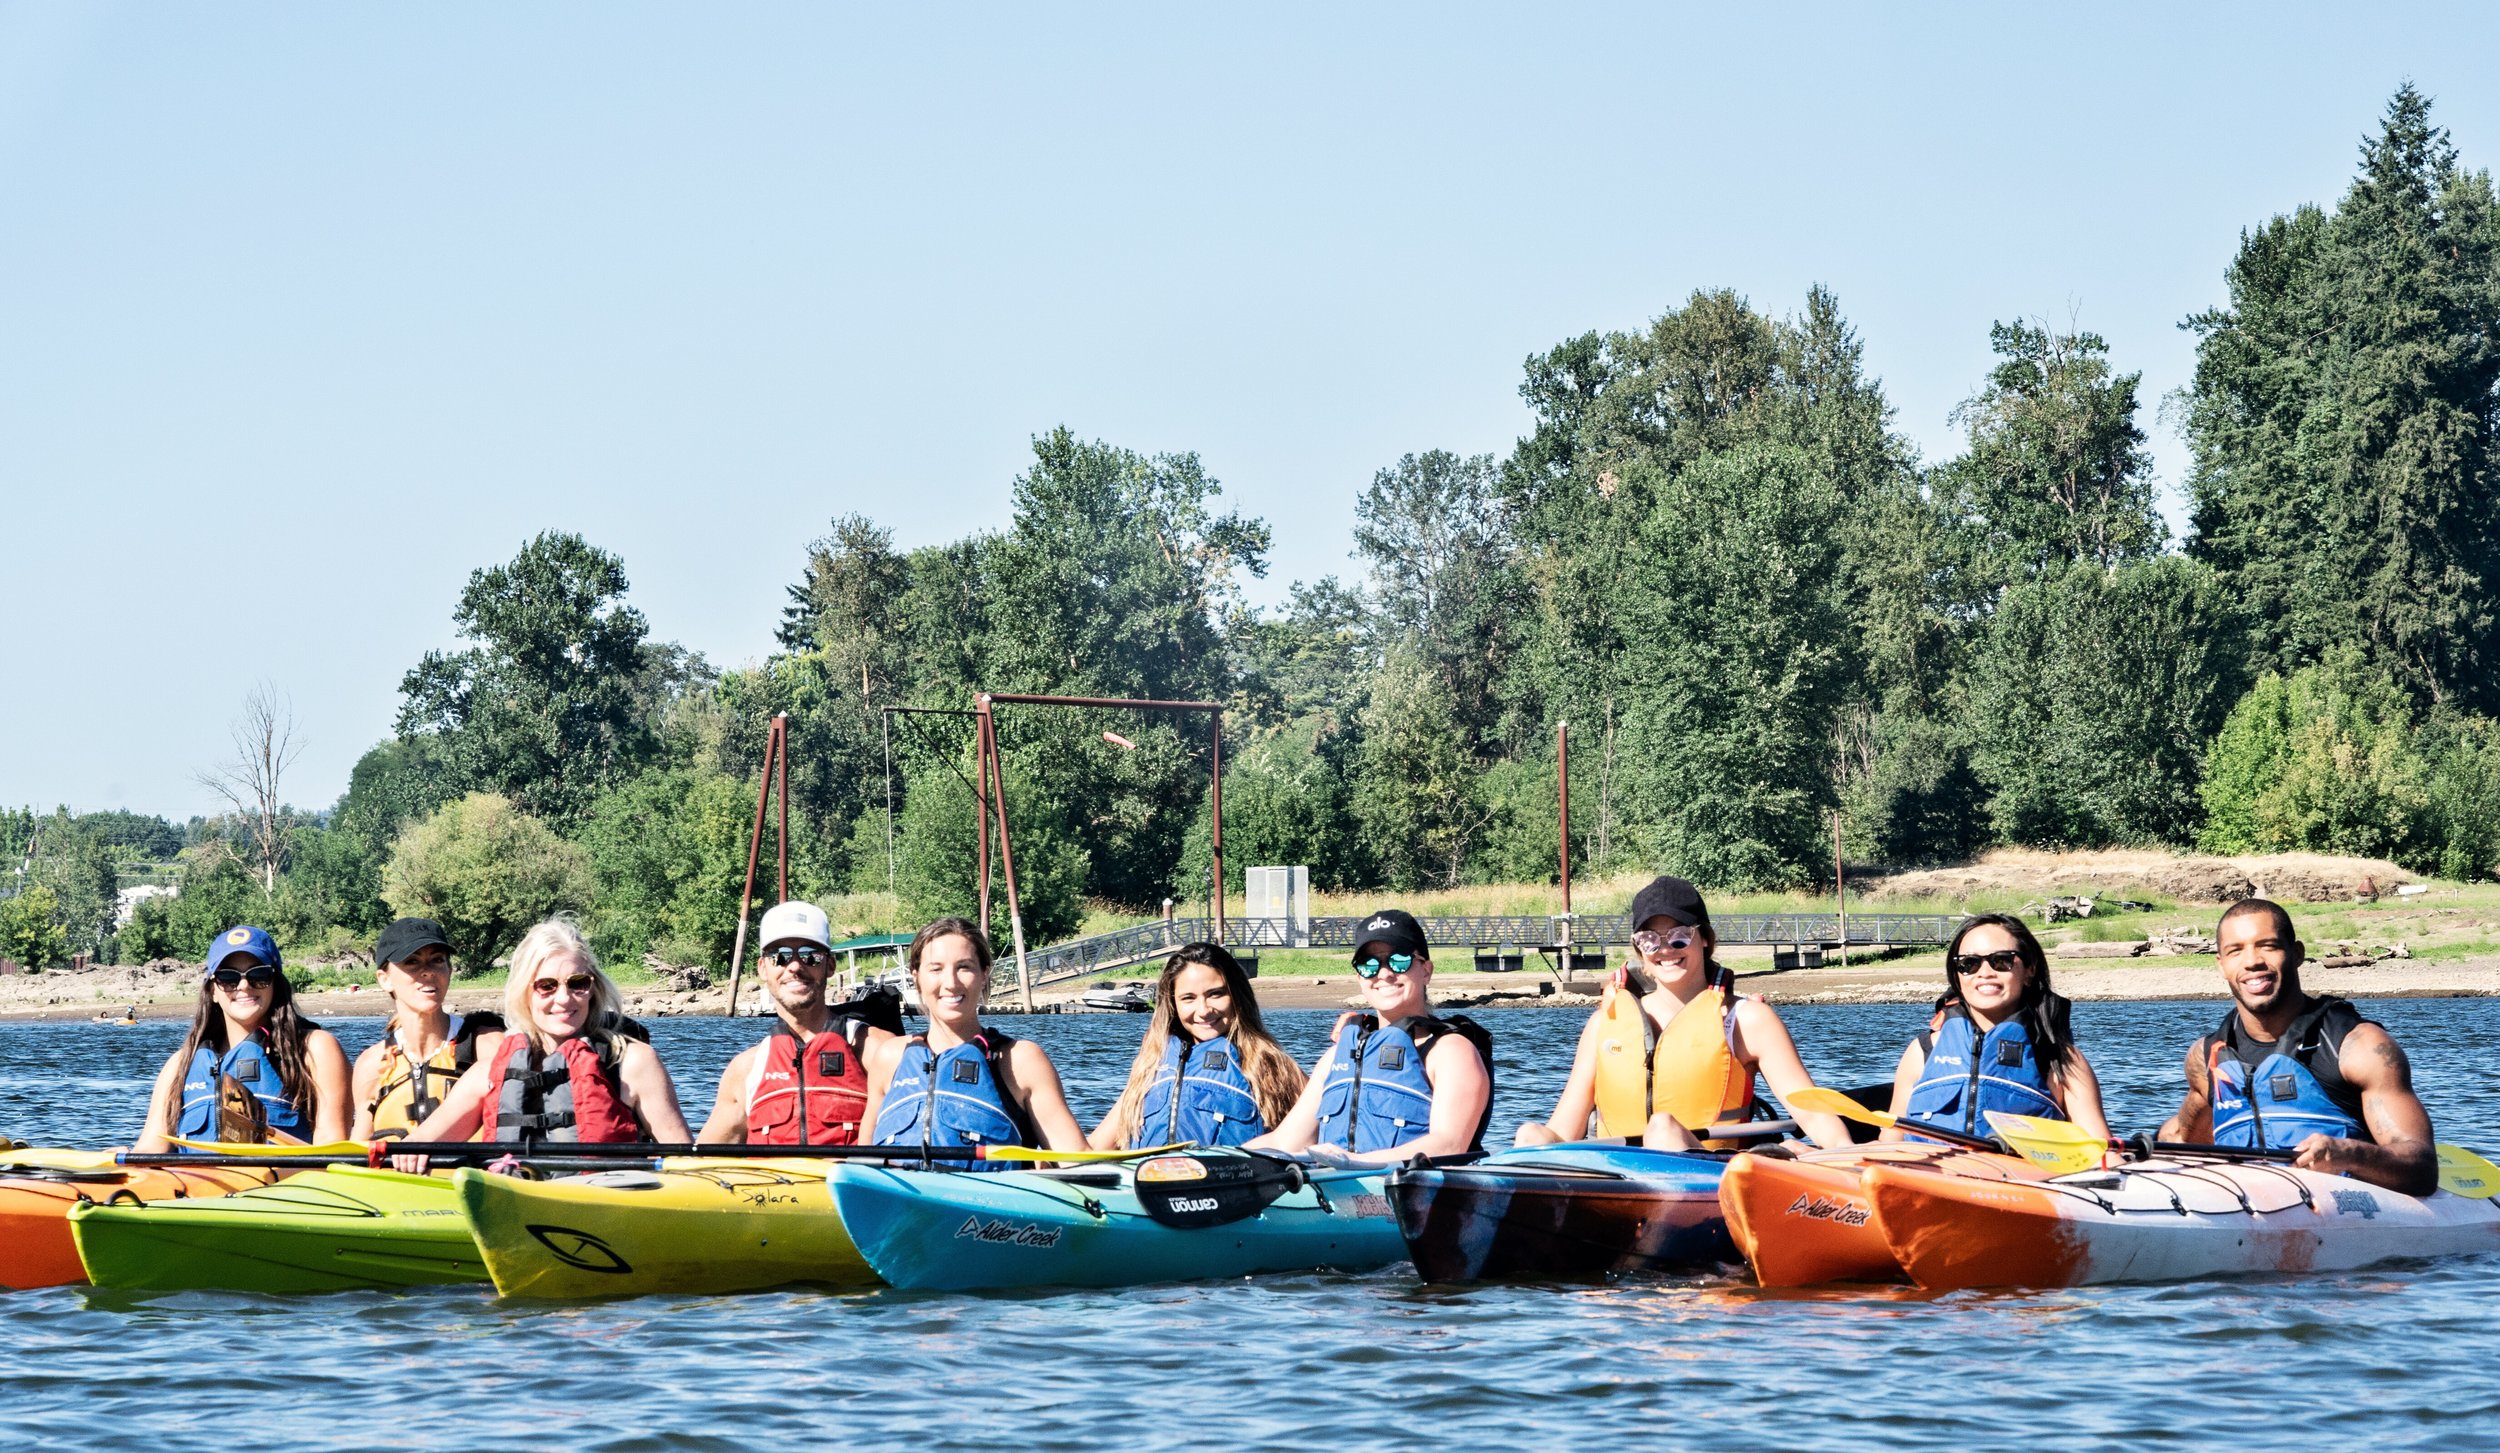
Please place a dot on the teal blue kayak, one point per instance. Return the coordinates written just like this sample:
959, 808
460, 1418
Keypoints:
940, 1230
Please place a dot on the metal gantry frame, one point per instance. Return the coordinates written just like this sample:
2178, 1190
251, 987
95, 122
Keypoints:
776, 763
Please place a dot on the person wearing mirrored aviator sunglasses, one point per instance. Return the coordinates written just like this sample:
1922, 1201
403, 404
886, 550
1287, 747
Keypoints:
1396, 1082
1673, 1048
1999, 1040
806, 1083
252, 1067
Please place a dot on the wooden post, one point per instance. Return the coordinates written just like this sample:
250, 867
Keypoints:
1840, 886
981, 798
1562, 789
1216, 810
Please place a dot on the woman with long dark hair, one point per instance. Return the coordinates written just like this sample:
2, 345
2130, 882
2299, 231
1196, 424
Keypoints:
1208, 1071
956, 1082
253, 1068
1999, 1041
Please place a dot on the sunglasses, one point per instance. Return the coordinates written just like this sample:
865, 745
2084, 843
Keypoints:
260, 978
1658, 943
2003, 961
1374, 968
578, 984
808, 956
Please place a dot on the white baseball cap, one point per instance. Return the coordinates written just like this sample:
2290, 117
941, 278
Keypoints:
795, 922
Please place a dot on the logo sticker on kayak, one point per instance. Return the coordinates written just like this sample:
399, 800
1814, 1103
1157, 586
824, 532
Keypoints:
1820, 1208
2361, 1203
581, 1249
1008, 1233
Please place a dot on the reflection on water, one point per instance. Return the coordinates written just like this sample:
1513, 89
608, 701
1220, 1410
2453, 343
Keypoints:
1284, 1362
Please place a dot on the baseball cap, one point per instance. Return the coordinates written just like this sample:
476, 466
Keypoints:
1671, 898
403, 940
241, 939
1395, 927
795, 922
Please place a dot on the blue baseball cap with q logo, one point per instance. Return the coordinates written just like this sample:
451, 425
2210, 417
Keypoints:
241, 939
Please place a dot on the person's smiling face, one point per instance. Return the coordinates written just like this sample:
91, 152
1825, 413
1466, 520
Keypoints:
950, 978
1203, 1001
1394, 993
420, 982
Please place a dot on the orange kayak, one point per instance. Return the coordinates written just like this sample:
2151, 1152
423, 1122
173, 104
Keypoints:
35, 1201
1809, 1220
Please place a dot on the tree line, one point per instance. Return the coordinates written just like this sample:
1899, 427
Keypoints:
1713, 554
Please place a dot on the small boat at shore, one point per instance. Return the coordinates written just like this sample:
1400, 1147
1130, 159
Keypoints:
1118, 999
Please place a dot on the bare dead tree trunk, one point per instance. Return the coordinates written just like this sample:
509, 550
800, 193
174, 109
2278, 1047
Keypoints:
264, 747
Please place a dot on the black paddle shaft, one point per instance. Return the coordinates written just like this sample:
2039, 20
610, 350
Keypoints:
482, 1150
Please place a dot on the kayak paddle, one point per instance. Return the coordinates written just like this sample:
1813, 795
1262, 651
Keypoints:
1819, 1101
357, 1150
2059, 1146
1194, 1190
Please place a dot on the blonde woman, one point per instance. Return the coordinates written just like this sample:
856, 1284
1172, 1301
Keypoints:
1208, 1072
560, 1074
425, 1048
287, 1075
958, 1083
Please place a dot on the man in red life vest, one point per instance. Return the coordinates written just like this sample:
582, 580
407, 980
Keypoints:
807, 1082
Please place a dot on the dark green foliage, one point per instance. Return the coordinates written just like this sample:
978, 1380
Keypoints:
133, 837
399, 781
218, 892
1286, 801
149, 935
2325, 760
937, 866
335, 878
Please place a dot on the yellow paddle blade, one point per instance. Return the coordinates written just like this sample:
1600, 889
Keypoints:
2463, 1173
53, 1159
1028, 1153
2049, 1144
1820, 1101
225, 1147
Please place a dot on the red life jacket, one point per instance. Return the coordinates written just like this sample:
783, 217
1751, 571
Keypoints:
812, 1091
572, 1095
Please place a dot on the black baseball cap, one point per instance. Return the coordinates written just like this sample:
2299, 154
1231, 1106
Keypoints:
1671, 898
1395, 927
403, 940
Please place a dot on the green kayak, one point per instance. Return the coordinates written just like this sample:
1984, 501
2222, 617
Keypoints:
324, 1230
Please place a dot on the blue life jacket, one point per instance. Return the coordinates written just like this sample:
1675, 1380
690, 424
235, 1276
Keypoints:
1199, 1094
955, 1098
247, 1066
2299, 1090
1374, 1094
2000, 1071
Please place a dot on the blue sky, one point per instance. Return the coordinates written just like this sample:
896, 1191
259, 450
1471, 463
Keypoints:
307, 312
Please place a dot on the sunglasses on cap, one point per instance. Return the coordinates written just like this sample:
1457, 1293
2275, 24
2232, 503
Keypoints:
259, 978
1373, 968
578, 984
1658, 943
787, 955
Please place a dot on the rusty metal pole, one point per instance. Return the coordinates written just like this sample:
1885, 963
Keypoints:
755, 848
1007, 861
1562, 790
981, 797
1216, 810
781, 730
1840, 886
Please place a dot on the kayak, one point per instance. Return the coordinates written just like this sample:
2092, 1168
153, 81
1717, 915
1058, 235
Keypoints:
956, 1231
39, 1188
323, 1230
1574, 1211
2161, 1220
691, 1226
1806, 1220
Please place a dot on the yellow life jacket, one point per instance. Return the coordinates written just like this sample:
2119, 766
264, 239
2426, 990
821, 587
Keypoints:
1690, 1072
405, 1093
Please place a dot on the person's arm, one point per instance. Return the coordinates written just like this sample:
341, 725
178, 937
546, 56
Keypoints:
361, 1086
2193, 1122
1578, 1100
330, 1080
1036, 1083
2402, 1159
1905, 1079
2079, 1092
1107, 1135
728, 1125
459, 1116
651, 1094
883, 1057
1764, 1043
153, 1135
1301, 1124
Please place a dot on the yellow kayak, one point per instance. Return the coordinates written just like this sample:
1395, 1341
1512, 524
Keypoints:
692, 1226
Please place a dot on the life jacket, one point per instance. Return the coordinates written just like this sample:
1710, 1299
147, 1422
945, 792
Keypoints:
1374, 1094
404, 1090
249, 1067
2299, 1090
1691, 1071
1199, 1094
1967, 1073
811, 1091
572, 1095
956, 1098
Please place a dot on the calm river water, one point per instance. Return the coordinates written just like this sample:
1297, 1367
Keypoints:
2392, 1359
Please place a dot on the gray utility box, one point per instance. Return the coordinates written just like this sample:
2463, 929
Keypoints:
1278, 908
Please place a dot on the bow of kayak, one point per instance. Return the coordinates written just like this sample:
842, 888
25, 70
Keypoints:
1807, 1219
2161, 1221
38, 1190
323, 1230
692, 1226
960, 1231
1565, 1212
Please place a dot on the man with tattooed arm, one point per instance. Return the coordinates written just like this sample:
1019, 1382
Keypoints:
2288, 1070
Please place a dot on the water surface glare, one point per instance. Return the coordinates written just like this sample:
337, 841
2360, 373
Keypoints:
2395, 1357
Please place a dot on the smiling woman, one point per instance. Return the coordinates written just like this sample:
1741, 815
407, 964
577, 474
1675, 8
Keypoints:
1999, 1040
958, 1083
252, 1068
